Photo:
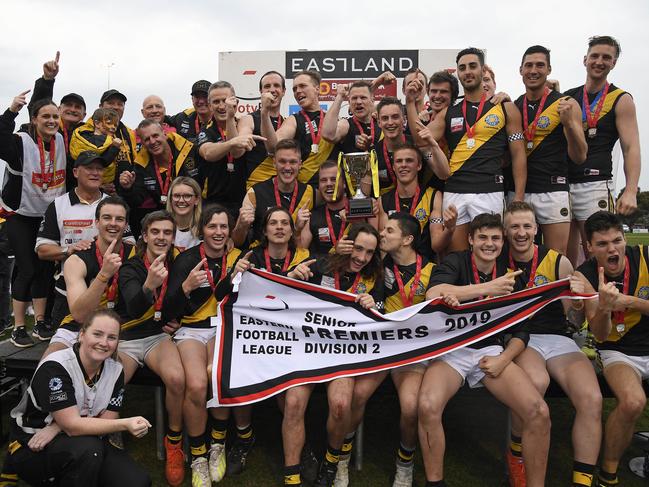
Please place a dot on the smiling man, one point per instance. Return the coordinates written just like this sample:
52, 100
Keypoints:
191, 121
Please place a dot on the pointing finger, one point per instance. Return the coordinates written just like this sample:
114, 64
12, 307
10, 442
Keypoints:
57, 57
602, 279
309, 262
111, 247
24, 93
248, 255
159, 259
199, 265
259, 137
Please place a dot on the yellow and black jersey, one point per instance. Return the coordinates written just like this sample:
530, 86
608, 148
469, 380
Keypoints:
385, 159
278, 266
324, 238
351, 282
547, 160
61, 311
187, 124
631, 338
476, 168
183, 154
393, 299
263, 196
259, 165
348, 143
599, 163
135, 307
311, 161
551, 319
195, 310
420, 209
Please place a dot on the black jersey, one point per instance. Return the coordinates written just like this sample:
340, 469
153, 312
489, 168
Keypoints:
420, 209
325, 238
547, 160
278, 266
197, 309
631, 338
393, 298
477, 168
61, 311
311, 161
456, 269
187, 124
348, 143
224, 181
599, 163
385, 158
263, 197
259, 165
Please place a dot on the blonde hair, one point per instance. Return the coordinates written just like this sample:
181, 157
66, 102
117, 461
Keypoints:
196, 216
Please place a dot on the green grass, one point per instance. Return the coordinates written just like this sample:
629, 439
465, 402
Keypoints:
475, 425
637, 238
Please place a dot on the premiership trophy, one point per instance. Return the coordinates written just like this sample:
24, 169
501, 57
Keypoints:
356, 165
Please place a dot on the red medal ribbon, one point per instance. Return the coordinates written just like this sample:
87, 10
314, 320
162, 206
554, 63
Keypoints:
223, 139
66, 139
413, 204
287, 261
224, 267
278, 200
111, 292
530, 130
592, 118
315, 138
407, 300
164, 188
476, 276
535, 263
46, 179
330, 226
618, 316
388, 163
360, 127
354, 285
280, 119
163, 289
470, 130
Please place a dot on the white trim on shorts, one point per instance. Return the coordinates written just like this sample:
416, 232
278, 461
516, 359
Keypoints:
639, 363
465, 362
202, 335
549, 346
139, 348
65, 336
590, 197
470, 205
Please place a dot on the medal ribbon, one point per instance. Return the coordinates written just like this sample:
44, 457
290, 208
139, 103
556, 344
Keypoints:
210, 276
407, 300
618, 316
287, 261
315, 138
592, 118
46, 179
360, 128
224, 138
111, 292
476, 276
413, 204
470, 130
164, 188
530, 129
535, 262
330, 226
163, 289
354, 286
278, 200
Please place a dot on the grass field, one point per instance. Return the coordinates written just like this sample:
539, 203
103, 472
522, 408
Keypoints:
637, 238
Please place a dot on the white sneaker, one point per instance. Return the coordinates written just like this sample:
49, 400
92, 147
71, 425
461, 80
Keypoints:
217, 462
342, 474
201, 473
403, 475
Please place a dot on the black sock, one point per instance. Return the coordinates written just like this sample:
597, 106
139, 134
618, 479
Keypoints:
515, 446
332, 456
245, 434
292, 475
219, 430
610, 478
197, 446
174, 437
435, 483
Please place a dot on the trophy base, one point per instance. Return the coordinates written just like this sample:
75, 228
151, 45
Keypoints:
360, 208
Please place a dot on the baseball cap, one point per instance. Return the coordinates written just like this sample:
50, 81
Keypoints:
112, 94
74, 97
88, 156
201, 86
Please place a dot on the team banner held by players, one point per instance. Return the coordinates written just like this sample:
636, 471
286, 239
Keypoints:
274, 333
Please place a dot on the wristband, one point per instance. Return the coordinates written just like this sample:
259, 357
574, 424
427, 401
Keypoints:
515, 136
436, 220
102, 278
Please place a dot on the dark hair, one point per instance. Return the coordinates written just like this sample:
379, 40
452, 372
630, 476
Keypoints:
328, 164
516, 206
445, 77
408, 225
412, 71
292, 245
471, 50
606, 40
273, 72
288, 144
112, 200
361, 83
220, 84
389, 100
407, 145
536, 49
337, 262
147, 122
486, 220
38, 104
601, 221
148, 220
314, 75
214, 209
101, 114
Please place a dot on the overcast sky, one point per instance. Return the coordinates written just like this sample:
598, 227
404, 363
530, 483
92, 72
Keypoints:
162, 47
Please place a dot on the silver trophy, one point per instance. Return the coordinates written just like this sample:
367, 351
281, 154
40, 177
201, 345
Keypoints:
357, 165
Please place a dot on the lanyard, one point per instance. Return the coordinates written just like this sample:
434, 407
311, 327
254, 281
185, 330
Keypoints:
388, 163
315, 138
280, 119
360, 127
530, 129
592, 118
413, 204
330, 226
476, 276
111, 292
407, 300
470, 130
46, 179
618, 316
157, 315
66, 139
287, 260
223, 139
210, 276
535, 262
164, 188
354, 286
278, 200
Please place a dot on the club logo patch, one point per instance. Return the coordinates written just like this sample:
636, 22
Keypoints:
564, 211
539, 280
643, 292
420, 215
55, 384
361, 288
602, 204
544, 122
492, 120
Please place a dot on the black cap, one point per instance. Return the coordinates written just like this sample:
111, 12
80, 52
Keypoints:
201, 86
74, 97
88, 156
112, 94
